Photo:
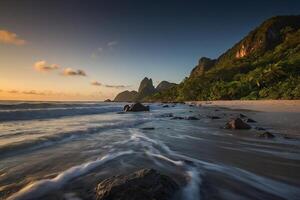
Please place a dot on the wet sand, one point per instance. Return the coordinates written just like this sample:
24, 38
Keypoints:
280, 115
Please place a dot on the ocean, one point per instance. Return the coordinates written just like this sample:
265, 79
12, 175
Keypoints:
61, 150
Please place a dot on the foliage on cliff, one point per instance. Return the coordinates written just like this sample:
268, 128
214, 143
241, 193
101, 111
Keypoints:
264, 65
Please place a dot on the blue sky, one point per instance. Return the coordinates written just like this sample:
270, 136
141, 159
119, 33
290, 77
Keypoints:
117, 43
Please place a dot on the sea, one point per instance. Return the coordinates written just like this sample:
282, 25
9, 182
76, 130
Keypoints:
62, 150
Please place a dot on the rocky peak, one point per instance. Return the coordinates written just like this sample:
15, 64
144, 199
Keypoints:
204, 64
146, 88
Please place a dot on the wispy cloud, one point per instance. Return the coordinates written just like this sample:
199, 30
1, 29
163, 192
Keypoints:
96, 83
8, 37
13, 91
73, 72
116, 86
112, 43
33, 92
42, 66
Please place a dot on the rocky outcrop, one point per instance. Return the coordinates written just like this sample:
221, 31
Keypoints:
126, 96
165, 85
137, 107
146, 184
237, 123
146, 88
265, 134
204, 65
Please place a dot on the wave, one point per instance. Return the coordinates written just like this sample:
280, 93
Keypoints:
40, 188
14, 115
46, 141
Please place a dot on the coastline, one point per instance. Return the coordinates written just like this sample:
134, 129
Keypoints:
254, 105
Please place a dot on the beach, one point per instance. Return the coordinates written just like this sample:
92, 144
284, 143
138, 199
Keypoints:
62, 150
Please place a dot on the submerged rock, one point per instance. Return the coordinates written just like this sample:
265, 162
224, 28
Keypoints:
137, 107
165, 106
249, 120
148, 128
176, 117
265, 134
237, 123
242, 116
145, 184
192, 118
214, 117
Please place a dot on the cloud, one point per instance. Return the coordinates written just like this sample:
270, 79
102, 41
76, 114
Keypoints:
7, 37
112, 43
33, 92
73, 72
96, 83
13, 91
42, 66
116, 86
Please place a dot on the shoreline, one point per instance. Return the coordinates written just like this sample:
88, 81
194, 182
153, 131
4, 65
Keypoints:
290, 106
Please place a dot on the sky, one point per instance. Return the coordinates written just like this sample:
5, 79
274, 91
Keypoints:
92, 50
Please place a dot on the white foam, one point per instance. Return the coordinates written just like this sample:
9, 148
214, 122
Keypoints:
191, 190
175, 162
41, 187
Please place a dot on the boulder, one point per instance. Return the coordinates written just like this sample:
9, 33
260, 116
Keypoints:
145, 184
165, 106
107, 100
237, 123
137, 107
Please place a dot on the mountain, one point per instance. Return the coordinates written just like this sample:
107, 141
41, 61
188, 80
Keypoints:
146, 88
263, 65
164, 85
126, 96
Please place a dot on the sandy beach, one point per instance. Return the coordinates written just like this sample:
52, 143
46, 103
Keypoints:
256, 105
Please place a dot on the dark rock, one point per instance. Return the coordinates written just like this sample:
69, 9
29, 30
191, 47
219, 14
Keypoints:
145, 184
192, 118
126, 108
260, 128
242, 116
237, 123
167, 115
146, 88
148, 128
204, 65
107, 100
180, 118
137, 107
191, 105
249, 120
265, 134
165, 106
213, 117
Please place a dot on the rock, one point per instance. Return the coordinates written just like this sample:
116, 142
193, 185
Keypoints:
148, 128
265, 134
146, 88
249, 120
192, 118
191, 105
165, 106
145, 184
137, 107
237, 123
107, 100
260, 128
204, 65
213, 117
177, 118
126, 108
167, 115
242, 116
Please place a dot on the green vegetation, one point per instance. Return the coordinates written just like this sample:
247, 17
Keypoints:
269, 70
